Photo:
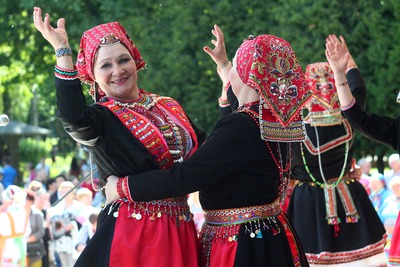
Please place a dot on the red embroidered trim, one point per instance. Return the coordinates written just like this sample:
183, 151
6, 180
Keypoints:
148, 134
347, 256
333, 143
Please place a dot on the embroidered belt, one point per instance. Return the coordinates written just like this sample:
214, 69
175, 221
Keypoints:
234, 216
173, 207
346, 178
223, 225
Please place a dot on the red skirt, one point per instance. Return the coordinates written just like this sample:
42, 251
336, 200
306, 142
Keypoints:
394, 252
160, 236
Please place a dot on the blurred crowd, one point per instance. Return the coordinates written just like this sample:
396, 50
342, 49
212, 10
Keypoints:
49, 221
384, 191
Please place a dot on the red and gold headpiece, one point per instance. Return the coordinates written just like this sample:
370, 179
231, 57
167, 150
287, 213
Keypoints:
101, 35
269, 65
324, 109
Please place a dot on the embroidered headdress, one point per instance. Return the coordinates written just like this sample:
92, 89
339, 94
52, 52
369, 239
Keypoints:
324, 108
269, 65
101, 35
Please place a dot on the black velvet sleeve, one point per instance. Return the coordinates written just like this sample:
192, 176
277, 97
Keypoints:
229, 147
380, 128
81, 122
357, 86
233, 103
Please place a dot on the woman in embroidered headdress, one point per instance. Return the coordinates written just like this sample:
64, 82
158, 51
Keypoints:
241, 176
127, 130
329, 138
376, 127
342, 227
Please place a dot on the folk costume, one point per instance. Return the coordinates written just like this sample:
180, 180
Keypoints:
341, 227
241, 176
124, 138
384, 130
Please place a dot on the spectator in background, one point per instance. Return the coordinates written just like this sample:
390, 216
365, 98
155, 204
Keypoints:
10, 174
391, 209
54, 196
86, 232
35, 246
63, 225
1, 175
42, 170
14, 228
31, 172
379, 192
1, 191
35, 186
394, 165
42, 203
85, 196
365, 182
365, 166
75, 169
51, 186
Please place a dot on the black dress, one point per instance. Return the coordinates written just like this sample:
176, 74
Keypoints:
233, 169
115, 151
322, 242
385, 130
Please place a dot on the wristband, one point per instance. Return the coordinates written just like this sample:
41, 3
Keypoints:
63, 51
348, 106
223, 103
65, 74
119, 187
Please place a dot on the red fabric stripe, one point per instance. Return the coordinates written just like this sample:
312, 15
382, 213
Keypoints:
291, 239
223, 253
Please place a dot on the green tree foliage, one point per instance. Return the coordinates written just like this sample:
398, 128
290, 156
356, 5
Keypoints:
170, 34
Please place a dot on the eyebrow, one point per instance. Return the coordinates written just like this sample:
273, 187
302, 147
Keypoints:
120, 56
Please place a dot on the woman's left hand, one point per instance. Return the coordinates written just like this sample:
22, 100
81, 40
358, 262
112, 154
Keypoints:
111, 189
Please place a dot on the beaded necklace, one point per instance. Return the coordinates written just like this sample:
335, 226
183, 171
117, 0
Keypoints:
320, 164
175, 136
145, 101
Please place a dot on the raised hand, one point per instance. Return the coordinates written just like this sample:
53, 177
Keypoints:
218, 54
57, 37
337, 53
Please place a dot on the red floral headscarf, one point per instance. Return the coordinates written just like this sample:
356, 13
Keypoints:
101, 35
269, 65
324, 108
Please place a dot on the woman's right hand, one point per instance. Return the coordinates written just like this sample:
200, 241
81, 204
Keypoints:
57, 37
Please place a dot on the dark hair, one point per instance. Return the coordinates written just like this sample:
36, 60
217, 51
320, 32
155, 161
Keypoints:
50, 182
30, 196
93, 218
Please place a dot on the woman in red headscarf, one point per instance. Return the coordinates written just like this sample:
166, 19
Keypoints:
324, 158
127, 130
376, 127
241, 175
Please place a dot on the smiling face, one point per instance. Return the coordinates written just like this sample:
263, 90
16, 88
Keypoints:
115, 72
